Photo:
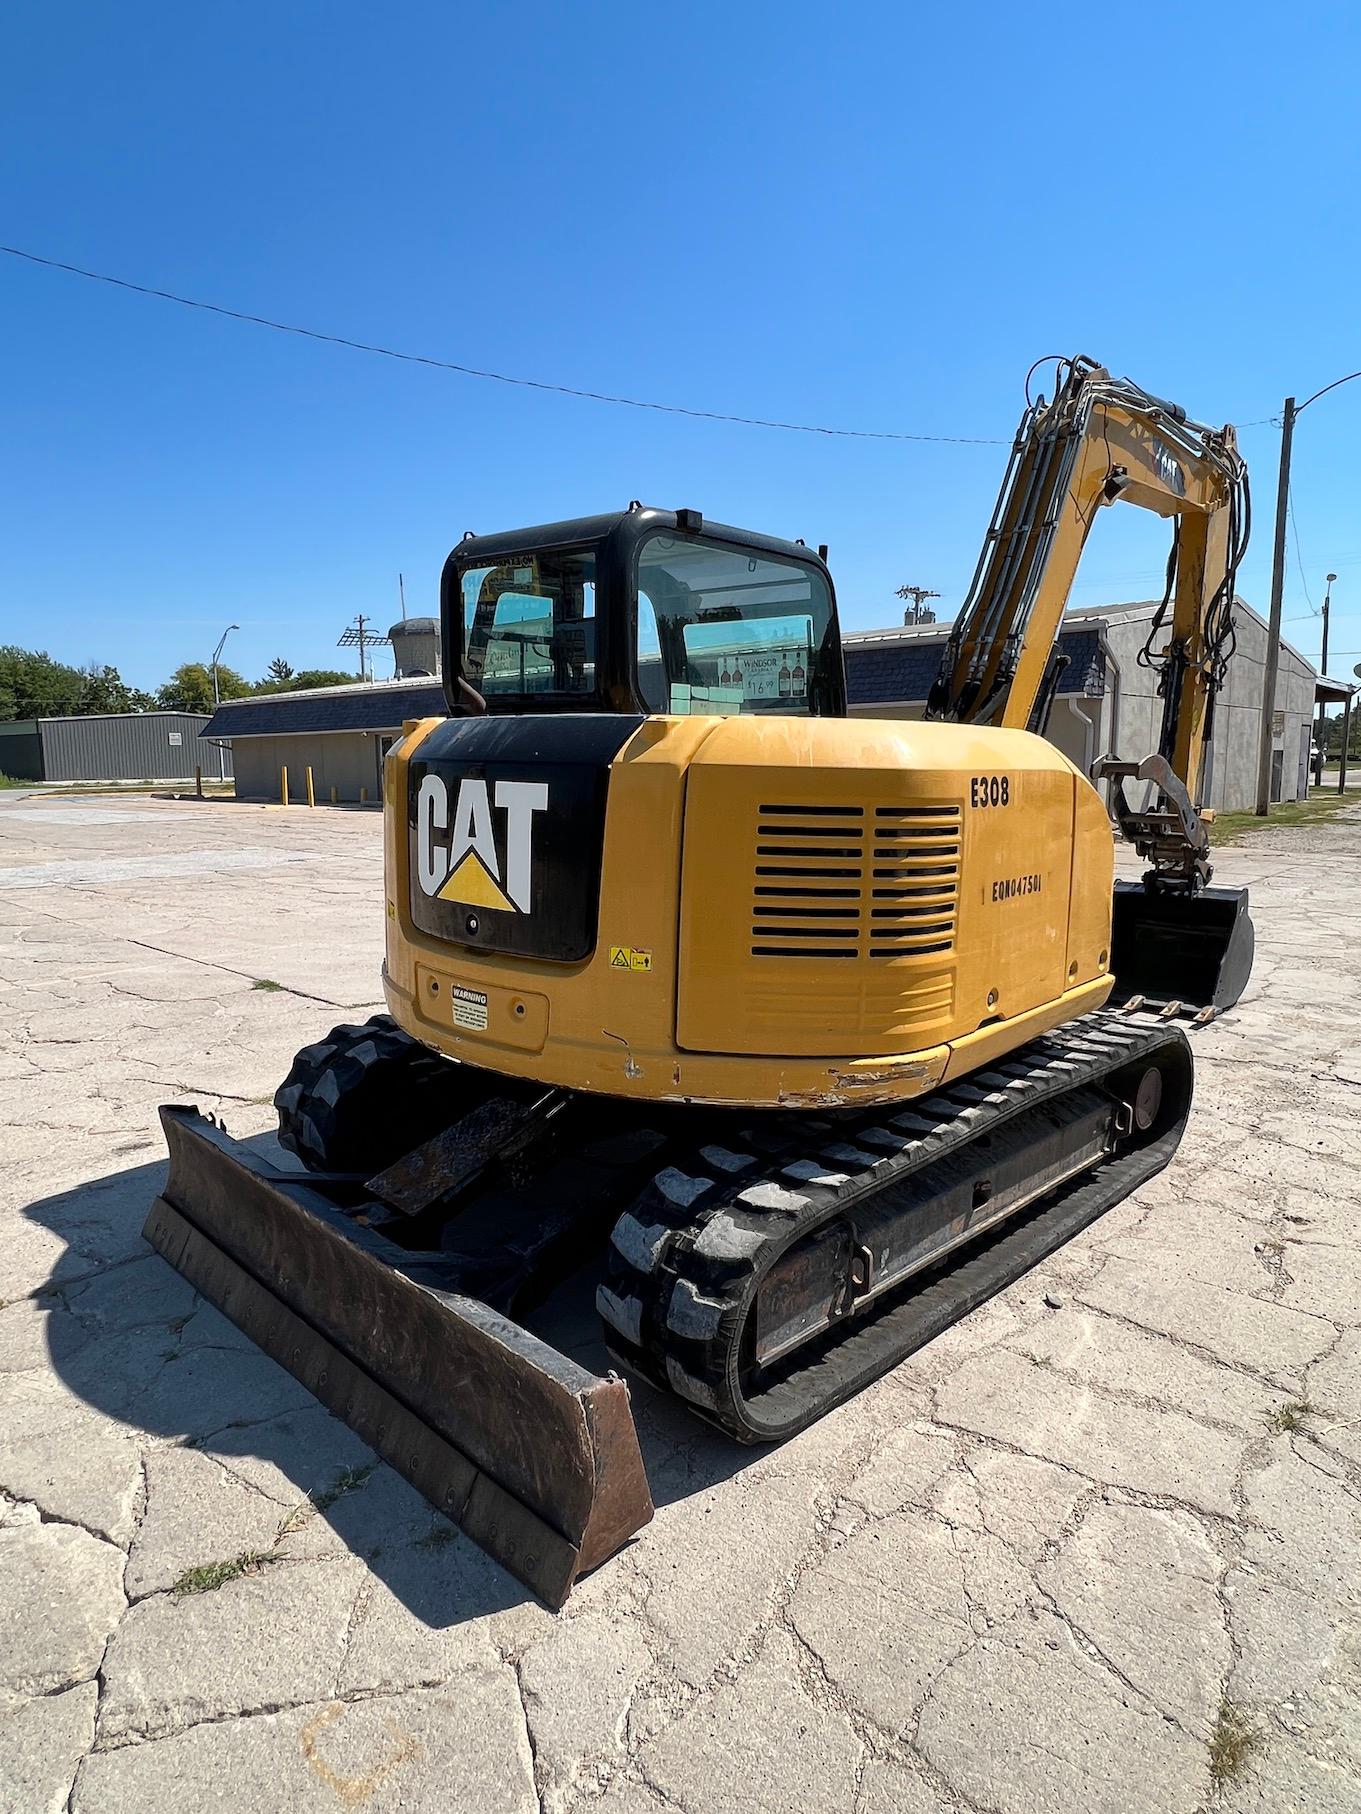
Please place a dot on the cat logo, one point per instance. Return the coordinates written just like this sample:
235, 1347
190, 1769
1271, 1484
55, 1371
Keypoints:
458, 860
1169, 469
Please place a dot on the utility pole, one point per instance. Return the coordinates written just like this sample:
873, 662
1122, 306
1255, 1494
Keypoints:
917, 612
1323, 674
1273, 637
1273, 651
221, 758
355, 635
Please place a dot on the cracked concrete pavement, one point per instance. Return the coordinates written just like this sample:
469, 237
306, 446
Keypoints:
1057, 1559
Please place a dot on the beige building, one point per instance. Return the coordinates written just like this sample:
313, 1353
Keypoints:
340, 733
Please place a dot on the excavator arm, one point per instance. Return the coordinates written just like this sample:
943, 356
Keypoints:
1103, 440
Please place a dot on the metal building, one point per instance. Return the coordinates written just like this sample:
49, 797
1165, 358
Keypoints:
110, 746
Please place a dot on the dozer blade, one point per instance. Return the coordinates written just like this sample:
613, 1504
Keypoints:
1191, 949
534, 1457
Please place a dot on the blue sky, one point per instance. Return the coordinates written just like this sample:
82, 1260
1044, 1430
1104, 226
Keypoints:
872, 216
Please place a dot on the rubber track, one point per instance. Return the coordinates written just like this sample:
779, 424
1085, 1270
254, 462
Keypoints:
365, 1094
684, 1261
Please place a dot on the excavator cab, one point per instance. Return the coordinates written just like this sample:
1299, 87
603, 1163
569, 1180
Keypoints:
639, 612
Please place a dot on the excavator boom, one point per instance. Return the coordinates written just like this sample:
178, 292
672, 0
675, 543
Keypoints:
1100, 441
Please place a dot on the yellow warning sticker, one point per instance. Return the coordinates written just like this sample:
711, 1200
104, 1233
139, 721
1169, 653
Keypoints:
629, 957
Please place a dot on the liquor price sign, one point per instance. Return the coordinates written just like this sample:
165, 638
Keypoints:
761, 676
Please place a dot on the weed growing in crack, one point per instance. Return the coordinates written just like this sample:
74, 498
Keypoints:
295, 1519
437, 1536
1231, 1743
211, 1575
348, 1480
268, 984
1290, 1416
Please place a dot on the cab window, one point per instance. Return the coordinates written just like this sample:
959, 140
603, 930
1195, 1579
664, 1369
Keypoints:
723, 630
529, 625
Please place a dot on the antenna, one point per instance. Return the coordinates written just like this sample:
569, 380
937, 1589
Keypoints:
355, 635
401, 593
917, 612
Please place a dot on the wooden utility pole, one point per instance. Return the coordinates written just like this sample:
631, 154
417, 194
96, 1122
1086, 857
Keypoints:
1272, 664
355, 635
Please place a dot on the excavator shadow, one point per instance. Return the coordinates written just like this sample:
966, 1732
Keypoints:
127, 1339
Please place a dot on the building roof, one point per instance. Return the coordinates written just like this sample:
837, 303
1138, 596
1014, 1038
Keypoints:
371, 706
1133, 611
883, 667
85, 717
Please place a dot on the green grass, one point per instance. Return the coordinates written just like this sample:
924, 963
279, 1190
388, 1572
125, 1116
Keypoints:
209, 1576
348, 1480
214, 789
268, 984
115, 790
1231, 1744
1290, 1416
1228, 828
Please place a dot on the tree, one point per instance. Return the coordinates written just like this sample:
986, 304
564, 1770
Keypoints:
303, 681
279, 670
104, 690
320, 677
32, 685
1332, 734
190, 687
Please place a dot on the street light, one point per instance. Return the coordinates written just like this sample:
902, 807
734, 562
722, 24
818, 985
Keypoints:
221, 758
1273, 644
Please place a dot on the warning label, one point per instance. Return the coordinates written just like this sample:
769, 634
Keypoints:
629, 957
470, 1008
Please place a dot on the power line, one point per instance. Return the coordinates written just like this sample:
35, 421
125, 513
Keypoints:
472, 371
1290, 503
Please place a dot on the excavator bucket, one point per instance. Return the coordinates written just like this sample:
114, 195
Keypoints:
533, 1456
1192, 950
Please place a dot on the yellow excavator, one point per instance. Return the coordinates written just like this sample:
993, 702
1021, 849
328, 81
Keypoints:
788, 1033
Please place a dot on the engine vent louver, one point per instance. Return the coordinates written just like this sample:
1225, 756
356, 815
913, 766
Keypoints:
855, 881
